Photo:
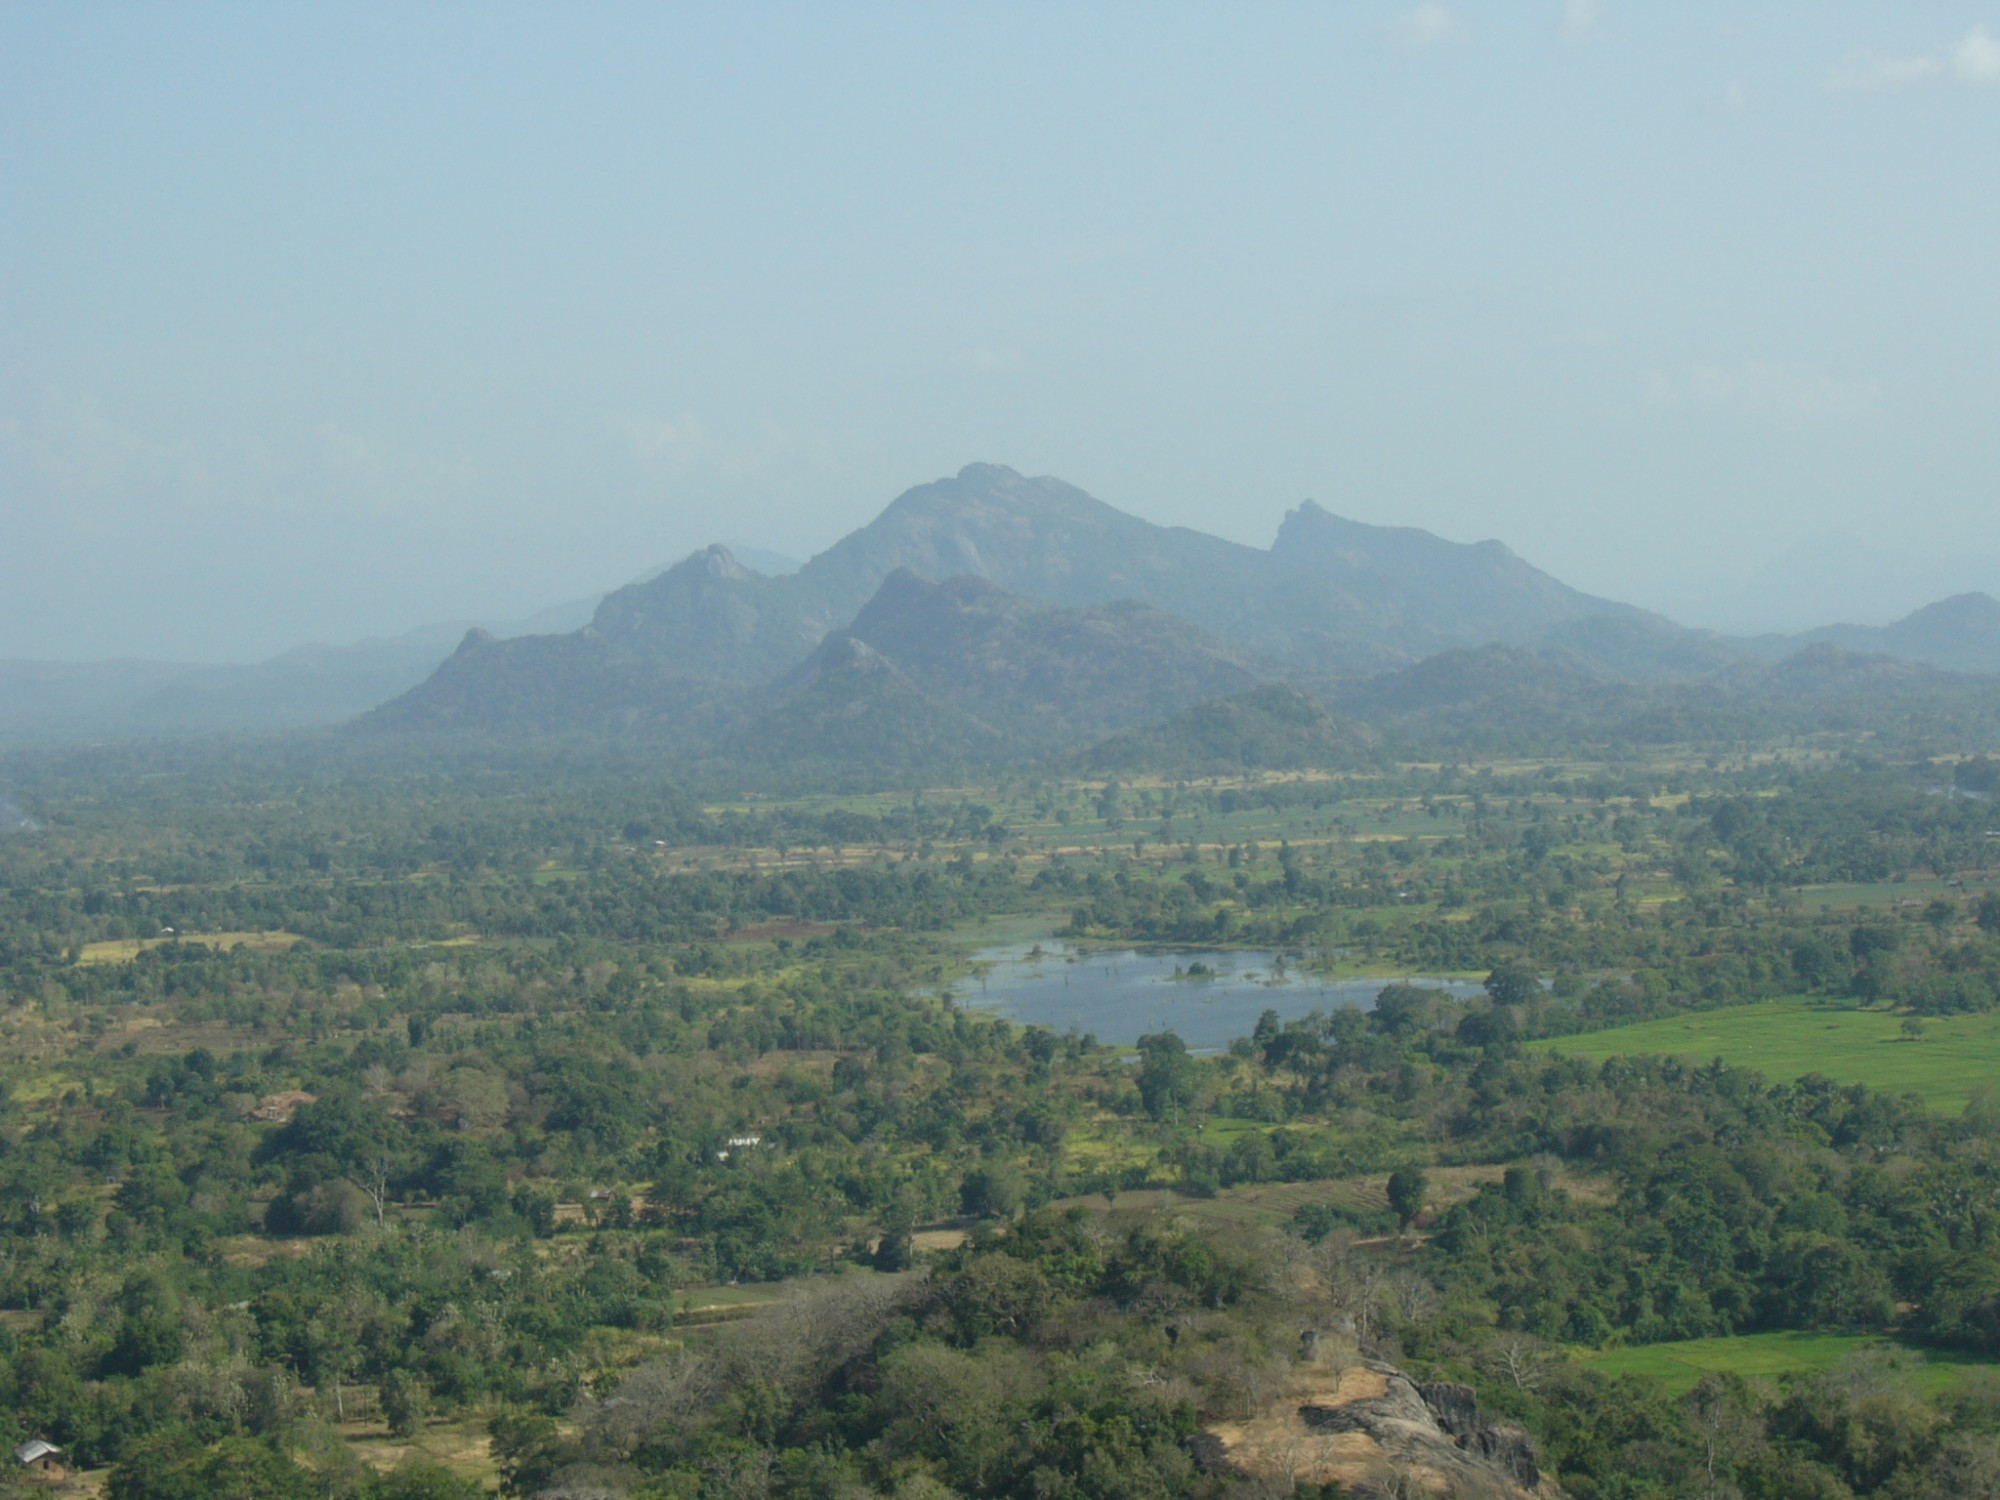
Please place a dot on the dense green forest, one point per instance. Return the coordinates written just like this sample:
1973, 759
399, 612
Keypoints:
415, 1126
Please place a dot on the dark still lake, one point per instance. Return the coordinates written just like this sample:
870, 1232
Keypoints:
1119, 995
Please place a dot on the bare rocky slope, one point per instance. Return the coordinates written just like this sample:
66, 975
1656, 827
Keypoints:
1368, 1427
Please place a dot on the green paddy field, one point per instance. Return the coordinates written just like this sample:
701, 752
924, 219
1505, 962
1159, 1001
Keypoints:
1956, 1057
1767, 1356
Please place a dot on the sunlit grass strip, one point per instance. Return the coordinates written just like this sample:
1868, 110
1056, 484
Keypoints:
1956, 1057
1769, 1356
124, 950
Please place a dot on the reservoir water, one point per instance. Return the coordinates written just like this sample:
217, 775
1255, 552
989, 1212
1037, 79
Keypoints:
1208, 997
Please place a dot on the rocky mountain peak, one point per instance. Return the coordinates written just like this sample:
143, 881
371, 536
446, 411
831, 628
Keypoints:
717, 561
988, 475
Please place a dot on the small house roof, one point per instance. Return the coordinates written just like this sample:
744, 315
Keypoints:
33, 1449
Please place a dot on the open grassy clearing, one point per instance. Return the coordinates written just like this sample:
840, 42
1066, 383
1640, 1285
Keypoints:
460, 1445
712, 1303
158, 1030
1767, 1356
41, 1087
991, 932
1223, 1130
1107, 1144
1272, 1205
124, 950
1787, 1039
1887, 895
711, 1307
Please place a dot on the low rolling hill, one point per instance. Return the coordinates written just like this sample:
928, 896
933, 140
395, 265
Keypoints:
967, 670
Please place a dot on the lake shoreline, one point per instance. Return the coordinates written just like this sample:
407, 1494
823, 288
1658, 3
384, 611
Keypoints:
1208, 996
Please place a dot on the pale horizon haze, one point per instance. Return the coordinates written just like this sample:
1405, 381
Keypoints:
326, 322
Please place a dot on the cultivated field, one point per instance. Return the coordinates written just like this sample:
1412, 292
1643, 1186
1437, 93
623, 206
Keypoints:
1767, 1356
1955, 1058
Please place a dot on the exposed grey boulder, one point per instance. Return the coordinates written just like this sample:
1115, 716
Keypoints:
1437, 1428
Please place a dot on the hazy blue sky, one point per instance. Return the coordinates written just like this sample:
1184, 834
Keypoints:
321, 321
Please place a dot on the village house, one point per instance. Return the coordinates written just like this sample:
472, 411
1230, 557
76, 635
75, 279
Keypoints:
40, 1459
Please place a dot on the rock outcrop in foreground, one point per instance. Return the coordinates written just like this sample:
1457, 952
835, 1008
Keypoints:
1379, 1433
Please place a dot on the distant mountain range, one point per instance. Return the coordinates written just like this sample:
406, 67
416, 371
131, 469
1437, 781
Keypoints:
1021, 605
304, 687
991, 615
1328, 595
1507, 698
1959, 634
